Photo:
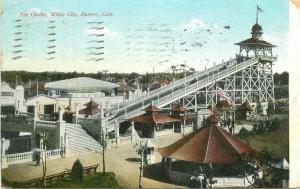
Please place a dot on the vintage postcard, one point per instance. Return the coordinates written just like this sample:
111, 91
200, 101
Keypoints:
149, 94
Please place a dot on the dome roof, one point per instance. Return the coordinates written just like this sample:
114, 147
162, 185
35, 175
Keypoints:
81, 84
256, 28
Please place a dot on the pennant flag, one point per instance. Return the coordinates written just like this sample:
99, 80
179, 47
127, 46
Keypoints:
259, 9
222, 94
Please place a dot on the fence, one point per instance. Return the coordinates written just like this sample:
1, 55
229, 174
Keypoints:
29, 156
19, 158
48, 124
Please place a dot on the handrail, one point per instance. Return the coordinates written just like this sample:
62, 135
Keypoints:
178, 90
171, 85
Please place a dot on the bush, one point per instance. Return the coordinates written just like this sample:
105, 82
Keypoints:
275, 124
269, 157
68, 117
244, 133
77, 171
4, 181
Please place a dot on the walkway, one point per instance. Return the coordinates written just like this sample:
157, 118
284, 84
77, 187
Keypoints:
123, 161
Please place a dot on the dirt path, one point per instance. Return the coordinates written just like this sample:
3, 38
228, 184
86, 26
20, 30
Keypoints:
123, 161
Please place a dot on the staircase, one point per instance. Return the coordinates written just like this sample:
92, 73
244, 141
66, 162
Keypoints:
80, 141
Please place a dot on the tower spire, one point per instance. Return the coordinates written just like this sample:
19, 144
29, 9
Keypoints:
258, 9
257, 14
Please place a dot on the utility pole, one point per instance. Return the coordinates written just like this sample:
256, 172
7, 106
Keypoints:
141, 165
37, 87
103, 142
17, 80
105, 71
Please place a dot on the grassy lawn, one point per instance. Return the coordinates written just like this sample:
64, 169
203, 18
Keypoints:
278, 141
89, 181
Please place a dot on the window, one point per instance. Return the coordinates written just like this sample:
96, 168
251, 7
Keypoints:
7, 94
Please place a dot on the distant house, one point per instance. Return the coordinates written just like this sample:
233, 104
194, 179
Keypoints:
45, 104
11, 99
35, 88
124, 90
165, 82
155, 85
92, 108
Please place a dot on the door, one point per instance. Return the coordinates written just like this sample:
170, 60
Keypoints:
49, 109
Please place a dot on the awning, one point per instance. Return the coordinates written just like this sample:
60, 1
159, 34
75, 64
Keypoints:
153, 118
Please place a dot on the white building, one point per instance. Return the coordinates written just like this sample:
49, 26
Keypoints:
11, 99
75, 92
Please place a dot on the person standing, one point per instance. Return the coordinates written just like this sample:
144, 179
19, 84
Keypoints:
38, 158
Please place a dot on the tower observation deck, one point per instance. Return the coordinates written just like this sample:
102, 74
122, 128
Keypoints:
253, 84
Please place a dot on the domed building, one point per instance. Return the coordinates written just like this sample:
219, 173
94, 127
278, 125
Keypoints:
256, 45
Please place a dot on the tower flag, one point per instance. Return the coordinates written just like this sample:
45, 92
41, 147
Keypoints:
222, 93
258, 9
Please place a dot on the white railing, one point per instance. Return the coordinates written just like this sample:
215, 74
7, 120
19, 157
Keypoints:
29, 156
27, 114
87, 121
48, 124
173, 94
52, 154
170, 86
19, 158
268, 58
164, 95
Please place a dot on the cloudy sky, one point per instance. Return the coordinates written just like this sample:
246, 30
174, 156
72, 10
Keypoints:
139, 35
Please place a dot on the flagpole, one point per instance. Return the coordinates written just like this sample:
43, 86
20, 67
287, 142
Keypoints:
256, 14
37, 87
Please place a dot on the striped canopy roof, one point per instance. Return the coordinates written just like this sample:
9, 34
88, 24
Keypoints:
210, 144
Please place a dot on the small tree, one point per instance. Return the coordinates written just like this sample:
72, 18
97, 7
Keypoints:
68, 117
103, 141
45, 140
77, 171
275, 124
269, 157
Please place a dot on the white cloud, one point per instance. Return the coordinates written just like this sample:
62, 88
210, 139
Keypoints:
217, 27
106, 31
35, 10
195, 23
271, 38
